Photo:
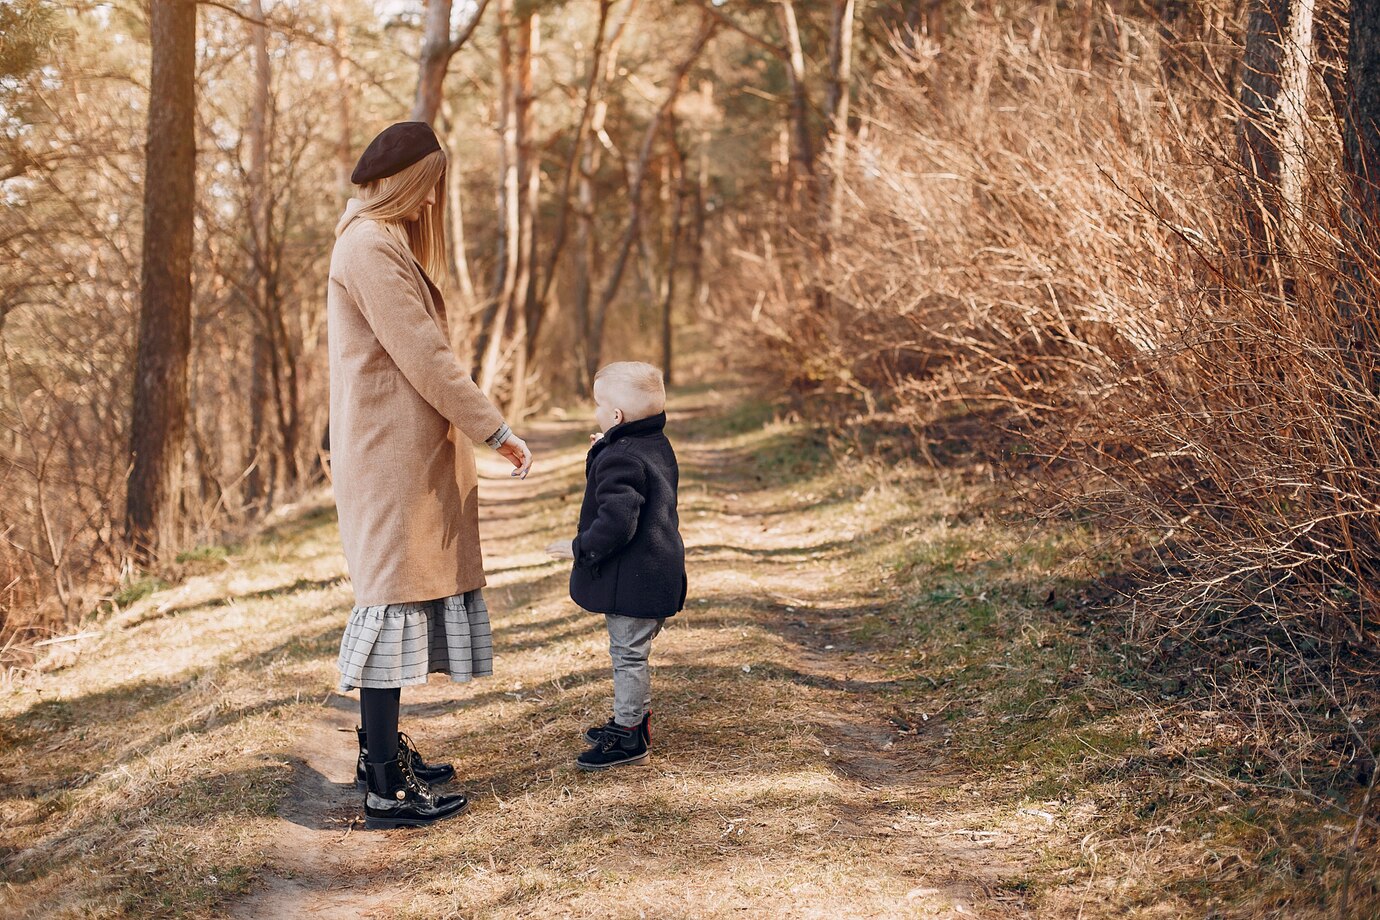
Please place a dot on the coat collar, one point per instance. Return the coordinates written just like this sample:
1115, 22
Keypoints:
352, 208
640, 428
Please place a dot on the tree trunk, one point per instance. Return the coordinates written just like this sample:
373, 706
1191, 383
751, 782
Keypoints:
160, 405
802, 147
671, 257
1270, 133
438, 47
432, 61
459, 260
592, 84
699, 291
260, 455
1359, 289
1362, 129
529, 174
586, 247
344, 143
840, 80
515, 88
286, 398
638, 172
1357, 294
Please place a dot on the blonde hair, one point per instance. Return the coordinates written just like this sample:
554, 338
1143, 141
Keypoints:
391, 199
641, 391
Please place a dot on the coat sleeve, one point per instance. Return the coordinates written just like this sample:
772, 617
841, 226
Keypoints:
386, 294
619, 493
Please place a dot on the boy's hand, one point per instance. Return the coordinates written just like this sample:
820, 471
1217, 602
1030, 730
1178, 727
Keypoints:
561, 549
594, 438
515, 449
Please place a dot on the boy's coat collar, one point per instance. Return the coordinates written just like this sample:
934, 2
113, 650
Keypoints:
652, 424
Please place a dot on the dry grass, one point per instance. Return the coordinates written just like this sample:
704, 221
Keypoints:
1052, 261
883, 701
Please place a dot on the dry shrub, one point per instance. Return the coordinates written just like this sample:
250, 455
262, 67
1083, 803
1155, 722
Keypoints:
1063, 250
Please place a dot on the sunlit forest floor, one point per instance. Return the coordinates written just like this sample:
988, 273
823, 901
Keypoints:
882, 700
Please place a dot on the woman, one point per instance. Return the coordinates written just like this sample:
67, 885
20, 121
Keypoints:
403, 416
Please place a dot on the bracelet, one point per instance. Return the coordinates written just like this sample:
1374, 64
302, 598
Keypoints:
496, 439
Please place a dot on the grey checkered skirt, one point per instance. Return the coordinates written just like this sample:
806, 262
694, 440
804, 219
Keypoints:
397, 645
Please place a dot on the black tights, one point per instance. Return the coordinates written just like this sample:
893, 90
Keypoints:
378, 710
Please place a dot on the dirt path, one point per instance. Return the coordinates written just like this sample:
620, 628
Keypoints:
881, 702
803, 765
786, 765
318, 861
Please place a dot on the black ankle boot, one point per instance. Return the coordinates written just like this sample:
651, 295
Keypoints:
616, 747
592, 734
397, 798
433, 774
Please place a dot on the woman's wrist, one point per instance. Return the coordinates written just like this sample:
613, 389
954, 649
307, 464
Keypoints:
496, 439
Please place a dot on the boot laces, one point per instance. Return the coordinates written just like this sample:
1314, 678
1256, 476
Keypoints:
405, 745
411, 780
609, 741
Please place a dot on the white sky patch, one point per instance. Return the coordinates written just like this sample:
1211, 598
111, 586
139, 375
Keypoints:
460, 11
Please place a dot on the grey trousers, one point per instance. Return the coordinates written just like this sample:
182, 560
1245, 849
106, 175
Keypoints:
630, 644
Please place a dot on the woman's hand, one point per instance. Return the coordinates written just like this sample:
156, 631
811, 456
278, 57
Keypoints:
561, 549
515, 449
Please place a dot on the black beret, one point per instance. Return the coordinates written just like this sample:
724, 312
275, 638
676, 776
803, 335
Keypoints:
396, 148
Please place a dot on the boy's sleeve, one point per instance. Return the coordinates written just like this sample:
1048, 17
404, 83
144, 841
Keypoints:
388, 298
618, 499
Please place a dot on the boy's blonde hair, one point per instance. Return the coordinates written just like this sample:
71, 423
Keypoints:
641, 392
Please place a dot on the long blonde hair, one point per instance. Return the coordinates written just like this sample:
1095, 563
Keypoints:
391, 199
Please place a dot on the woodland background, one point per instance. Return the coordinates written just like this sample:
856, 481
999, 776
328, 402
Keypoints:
1122, 251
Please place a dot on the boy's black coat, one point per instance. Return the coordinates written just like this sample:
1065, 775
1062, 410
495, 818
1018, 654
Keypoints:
629, 558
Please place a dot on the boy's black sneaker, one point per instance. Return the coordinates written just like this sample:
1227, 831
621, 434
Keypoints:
616, 747
592, 735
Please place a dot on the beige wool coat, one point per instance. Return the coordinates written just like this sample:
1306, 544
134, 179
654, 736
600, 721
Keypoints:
404, 415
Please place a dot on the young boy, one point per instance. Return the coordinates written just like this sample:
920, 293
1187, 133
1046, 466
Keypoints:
629, 561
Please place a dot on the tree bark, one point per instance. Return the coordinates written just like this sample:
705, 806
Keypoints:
671, 256
1362, 129
344, 143
1357, 293
592, 84
802, 147
160, 402
525, 305
1270, 133
459, 260
515, 90
840, 80
699, 291
591, 158
638, 172
260, 457
438, 47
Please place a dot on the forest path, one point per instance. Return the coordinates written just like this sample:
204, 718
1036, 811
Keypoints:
803, 759
787, 780
318, 864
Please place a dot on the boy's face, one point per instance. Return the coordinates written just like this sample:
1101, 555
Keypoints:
605, 413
